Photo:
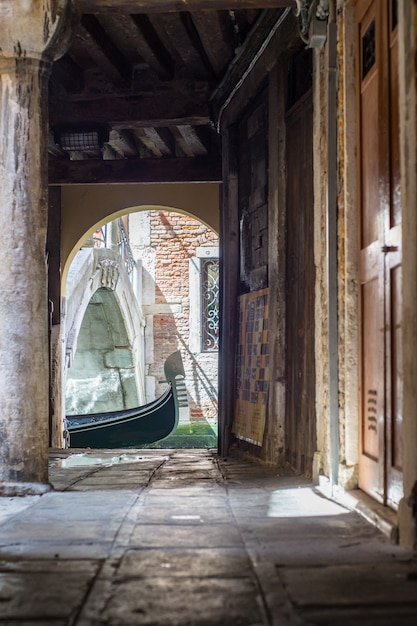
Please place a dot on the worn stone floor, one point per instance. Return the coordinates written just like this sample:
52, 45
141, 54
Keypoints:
179, 537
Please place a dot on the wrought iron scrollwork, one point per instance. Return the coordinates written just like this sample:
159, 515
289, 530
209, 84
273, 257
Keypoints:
210, 308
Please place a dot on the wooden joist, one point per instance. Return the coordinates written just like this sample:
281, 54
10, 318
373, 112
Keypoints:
165, 6
101, 48
276, 32
158, 140
169, 170
168, 104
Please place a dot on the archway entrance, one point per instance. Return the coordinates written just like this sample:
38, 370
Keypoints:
176, 270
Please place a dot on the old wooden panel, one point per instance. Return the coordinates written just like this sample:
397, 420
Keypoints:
300, 426
372, 387
253, 196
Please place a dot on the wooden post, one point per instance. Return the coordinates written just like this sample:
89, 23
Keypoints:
229, 277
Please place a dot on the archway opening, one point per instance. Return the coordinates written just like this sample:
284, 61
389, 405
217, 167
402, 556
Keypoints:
172, 259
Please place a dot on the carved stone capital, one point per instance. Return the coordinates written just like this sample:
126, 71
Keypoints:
34, 28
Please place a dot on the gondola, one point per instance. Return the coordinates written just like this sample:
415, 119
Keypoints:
133, 427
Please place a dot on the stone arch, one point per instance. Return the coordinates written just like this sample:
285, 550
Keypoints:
82, 204
101, 281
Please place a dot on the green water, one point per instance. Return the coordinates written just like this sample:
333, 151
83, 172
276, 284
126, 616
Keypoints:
192, 435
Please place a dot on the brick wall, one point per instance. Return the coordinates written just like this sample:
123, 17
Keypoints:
173, 239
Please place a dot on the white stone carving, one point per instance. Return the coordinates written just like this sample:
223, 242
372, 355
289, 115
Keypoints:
109, 273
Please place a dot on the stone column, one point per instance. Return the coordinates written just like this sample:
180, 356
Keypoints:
29, 33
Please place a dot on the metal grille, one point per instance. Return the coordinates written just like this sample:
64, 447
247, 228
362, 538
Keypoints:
210, 308
80, 141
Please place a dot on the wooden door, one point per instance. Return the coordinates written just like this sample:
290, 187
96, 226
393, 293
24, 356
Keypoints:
380, 251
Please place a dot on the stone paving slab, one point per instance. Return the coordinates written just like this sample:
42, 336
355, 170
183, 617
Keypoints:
29, 622
67, 525
370, 594
179, 475
185, 562
326, 552
70, 532
271, 529
343, 584
173, 513
11, 507
185, 602
165, 489
106, 484
361, 616
56, 550
186, 536
187, 487
44, 590
175, 497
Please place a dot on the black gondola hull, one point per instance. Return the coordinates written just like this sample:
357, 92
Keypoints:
123, 429
130, 428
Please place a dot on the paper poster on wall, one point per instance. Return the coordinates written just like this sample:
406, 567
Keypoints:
252, 367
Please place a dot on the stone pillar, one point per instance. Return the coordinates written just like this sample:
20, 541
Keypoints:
29, 33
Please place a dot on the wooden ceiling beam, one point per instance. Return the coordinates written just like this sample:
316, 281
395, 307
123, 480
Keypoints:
102, 50
165, 6
182, 148
173, 31
173, 104
158, 142
165, 170
123, 143
216, 34
148, 45
192, 140
248, 71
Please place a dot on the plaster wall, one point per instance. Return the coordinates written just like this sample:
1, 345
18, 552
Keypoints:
321, 459
347, 283
84, 207
348, 305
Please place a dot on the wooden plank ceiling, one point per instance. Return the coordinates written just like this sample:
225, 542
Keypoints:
129, 101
